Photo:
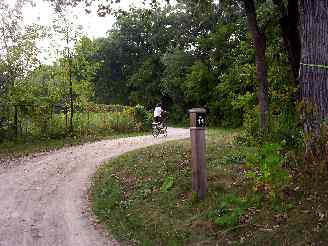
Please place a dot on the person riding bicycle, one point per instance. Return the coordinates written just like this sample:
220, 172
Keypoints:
159, 125
158, 113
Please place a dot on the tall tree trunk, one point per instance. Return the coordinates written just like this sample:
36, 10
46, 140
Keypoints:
289, 29
261, 69
313, 73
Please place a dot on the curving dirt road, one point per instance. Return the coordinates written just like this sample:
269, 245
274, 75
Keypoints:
43, 200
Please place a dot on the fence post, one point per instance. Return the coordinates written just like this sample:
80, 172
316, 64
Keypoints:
71, 94
16, 121
197, 133
66, 123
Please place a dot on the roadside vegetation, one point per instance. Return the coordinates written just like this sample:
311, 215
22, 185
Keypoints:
255, 197
112, 121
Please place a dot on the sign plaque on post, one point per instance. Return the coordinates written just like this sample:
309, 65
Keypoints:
197, 133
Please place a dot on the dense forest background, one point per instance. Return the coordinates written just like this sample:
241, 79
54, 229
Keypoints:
186, 58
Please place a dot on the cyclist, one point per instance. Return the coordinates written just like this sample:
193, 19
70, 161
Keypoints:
159, 124
158, 113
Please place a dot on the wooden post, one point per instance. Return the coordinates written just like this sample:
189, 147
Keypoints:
71, 94
66, 121
197, 133
16, 121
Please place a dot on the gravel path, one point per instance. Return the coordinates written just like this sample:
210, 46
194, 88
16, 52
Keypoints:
43, 200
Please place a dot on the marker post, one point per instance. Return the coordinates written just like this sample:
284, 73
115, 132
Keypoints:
197, 133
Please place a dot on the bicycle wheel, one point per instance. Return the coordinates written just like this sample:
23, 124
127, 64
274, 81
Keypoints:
165, 131
155, 132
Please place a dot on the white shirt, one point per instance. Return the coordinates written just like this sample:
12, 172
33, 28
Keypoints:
158, 111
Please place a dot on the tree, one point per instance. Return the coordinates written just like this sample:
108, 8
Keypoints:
289, 18
203, 50
69, 33
17, 46
85, 67
176, 63
144, 83
261, 68
313, 75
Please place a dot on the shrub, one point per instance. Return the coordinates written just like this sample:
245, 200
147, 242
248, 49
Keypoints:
267, 168
122, 122
49, 121
143, 117
283, 129
286, 130
6, 129
229, 210
178, 115
92, 107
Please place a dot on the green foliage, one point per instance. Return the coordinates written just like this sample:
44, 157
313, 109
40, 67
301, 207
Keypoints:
93, 107
229, 210
38, 121
176, 64
143, 117
6, 124
231, 59
102, 122
268, 167
168, 184
108, 196
234, 158
199, 83
284, 128
122, 122
146, 78
251, 134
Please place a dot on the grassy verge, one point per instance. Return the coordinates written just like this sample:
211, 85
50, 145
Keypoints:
13, 149
144, 198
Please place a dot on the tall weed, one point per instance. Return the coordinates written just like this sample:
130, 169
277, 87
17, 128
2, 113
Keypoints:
266, 169
284, 128
143, 117
122, 122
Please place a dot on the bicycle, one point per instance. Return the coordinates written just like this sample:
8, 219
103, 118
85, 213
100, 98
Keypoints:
159, 128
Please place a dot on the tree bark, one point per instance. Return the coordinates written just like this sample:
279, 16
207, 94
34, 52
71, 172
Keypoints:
261, 68
313, 75
289, 29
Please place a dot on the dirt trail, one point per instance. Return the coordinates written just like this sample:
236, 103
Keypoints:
43, 200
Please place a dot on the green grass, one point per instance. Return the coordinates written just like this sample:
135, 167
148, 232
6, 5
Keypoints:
144, 198
129, 197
